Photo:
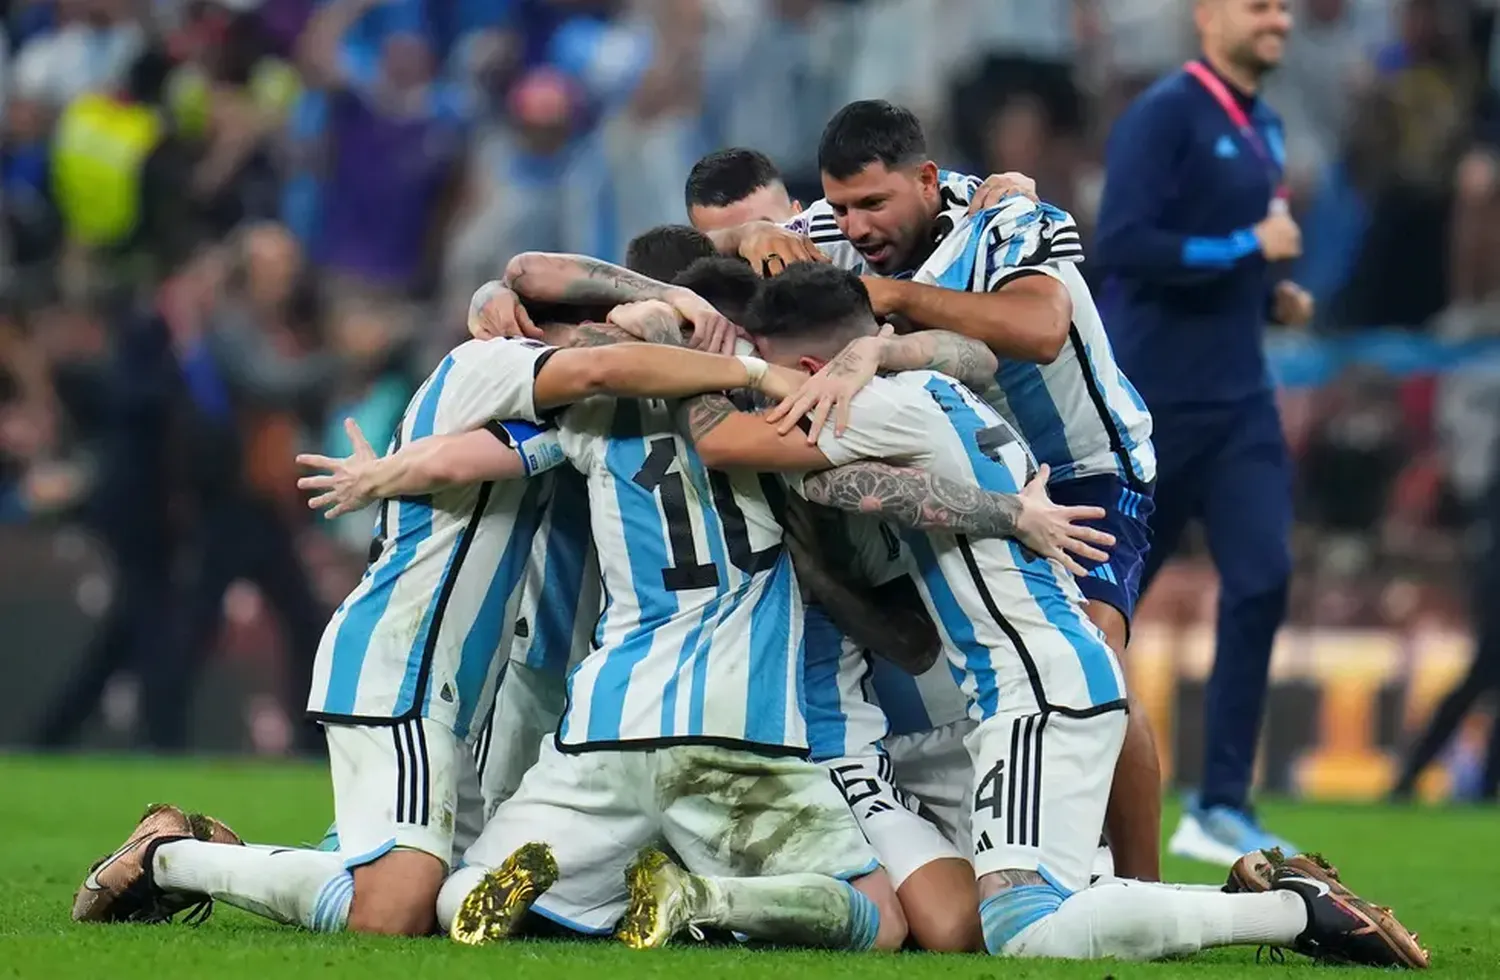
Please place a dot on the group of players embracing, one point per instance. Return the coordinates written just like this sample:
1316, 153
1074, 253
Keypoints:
774, 587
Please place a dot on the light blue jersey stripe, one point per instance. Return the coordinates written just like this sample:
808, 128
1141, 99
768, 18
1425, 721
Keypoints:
364, 613
765, 719
1036, 414
562, 584
648, 556
482, 644
900, 698
823, 646
978, 659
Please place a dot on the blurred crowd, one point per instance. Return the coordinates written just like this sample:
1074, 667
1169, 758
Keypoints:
225, 225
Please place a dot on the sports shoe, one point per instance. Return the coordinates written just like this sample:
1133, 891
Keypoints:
1344, 928
118, 887
1256, 871
494, 908
213, 830
1221, 835
664, 900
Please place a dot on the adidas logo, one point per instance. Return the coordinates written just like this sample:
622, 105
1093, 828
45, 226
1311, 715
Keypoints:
983, 843
879, 806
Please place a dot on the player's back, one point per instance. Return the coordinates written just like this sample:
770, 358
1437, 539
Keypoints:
419, 634
1078, 413
700, 638
1012, 622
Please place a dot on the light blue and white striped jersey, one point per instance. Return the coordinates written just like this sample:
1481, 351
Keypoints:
1011, 622
700, 639
559, 596
422, 632
817, 222
854, 697
1079, 414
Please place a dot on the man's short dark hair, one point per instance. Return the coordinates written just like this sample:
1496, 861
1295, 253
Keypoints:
726, 177
870, 131
666, 250
726, 282
809, 299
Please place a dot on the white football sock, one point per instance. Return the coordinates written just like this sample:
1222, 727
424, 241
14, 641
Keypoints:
454, 891
1143, 921
798, 910
288, 885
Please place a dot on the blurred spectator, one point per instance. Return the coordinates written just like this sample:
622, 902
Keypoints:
87, 49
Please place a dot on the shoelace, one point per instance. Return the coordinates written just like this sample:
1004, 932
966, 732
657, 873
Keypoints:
1274, 954
199, 913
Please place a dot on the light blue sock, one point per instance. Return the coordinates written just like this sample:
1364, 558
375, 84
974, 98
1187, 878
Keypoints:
1007, 914
864, 920
331, 910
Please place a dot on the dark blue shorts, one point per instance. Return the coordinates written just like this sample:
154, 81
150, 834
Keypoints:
1127, 511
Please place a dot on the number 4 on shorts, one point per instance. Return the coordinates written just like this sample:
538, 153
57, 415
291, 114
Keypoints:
987, 793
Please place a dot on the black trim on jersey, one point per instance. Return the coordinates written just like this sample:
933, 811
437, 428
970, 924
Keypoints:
497, 429
1101, 407
1022, 272
426, 786
1017, 775
647, 744
1012, 634
541, 360
1036, 782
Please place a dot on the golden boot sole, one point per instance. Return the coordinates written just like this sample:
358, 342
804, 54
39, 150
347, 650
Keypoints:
495, 907
641, 927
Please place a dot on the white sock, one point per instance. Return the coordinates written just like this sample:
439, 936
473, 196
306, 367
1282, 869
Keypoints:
1143, 921
797, 910
455, 889
288, 885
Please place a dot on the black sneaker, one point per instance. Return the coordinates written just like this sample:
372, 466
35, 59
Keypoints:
1344, 928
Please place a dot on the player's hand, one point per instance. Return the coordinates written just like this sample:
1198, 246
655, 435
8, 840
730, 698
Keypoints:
770, 248
780, 382
496, 311
712, 330
1279, 236
342, 489
1053, 531
650, 320
997, 187
1292, 305
832, 389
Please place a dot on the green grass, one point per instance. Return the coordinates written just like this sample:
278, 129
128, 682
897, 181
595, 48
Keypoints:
1439, 868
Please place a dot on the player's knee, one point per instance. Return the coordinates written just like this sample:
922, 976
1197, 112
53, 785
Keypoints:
396, 895
876, 886
941, 903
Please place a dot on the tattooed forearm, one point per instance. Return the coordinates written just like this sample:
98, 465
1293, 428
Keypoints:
578, 279
701, 415
662, 326
968, 360
915, 499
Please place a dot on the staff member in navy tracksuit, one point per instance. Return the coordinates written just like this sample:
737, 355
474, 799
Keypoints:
1190, 224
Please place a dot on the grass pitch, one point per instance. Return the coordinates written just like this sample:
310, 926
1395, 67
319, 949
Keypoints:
1440, 869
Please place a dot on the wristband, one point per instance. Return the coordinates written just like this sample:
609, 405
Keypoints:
755, 368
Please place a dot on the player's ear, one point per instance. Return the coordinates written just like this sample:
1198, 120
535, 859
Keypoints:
927, 176
796, 207
812, 365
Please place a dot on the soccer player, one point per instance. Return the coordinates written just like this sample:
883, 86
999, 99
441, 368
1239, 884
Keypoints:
1005, 275
410, 657
1189, 227
1041, 682
666, 250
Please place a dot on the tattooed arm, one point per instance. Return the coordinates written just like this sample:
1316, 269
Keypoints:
914, 498
833, 388
578, 280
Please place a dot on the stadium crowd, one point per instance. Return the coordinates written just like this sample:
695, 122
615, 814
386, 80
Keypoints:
230, 224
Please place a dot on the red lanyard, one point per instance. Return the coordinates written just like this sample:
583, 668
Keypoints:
1231, 107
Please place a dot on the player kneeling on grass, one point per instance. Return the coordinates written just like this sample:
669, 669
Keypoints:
405, 668
1042, 684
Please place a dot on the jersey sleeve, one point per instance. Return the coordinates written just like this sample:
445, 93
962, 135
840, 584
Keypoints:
1022, 242
887, 420
490, 380
817, 222
539, 446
